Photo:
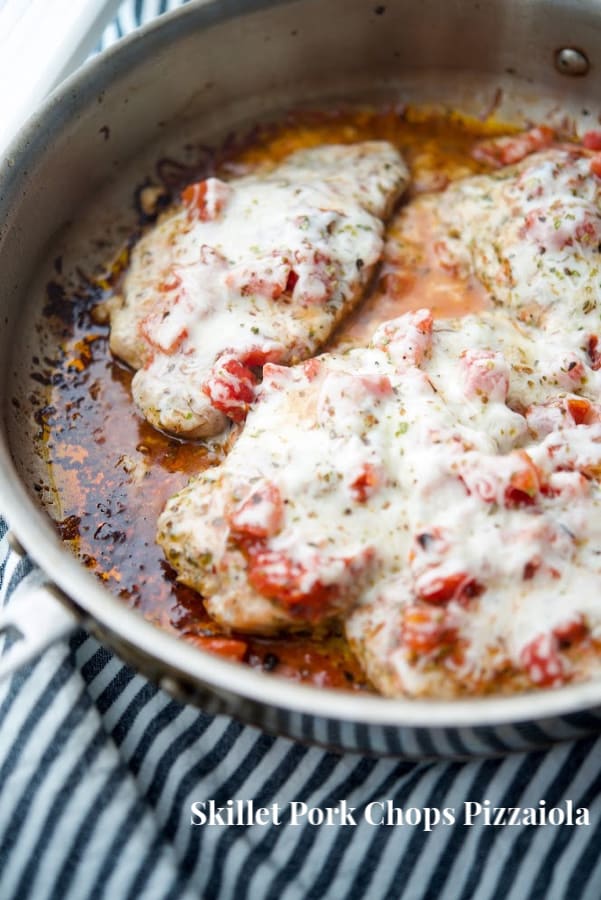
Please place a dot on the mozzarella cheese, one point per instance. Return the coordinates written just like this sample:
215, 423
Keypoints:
438, 491
257, 269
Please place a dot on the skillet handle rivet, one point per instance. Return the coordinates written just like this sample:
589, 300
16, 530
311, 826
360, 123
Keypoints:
569, 61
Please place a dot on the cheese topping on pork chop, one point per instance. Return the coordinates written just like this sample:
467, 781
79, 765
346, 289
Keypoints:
398, 489
438, 491
257, 269
531, 233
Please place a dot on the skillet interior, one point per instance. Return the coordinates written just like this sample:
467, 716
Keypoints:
176, 83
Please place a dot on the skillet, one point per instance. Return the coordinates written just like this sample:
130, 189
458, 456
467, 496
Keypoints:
203, 70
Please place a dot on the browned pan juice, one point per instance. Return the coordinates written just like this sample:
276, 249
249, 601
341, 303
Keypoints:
112, 472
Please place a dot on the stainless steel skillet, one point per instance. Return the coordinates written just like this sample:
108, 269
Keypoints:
201, 71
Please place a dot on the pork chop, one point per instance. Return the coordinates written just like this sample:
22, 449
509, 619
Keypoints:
253, 270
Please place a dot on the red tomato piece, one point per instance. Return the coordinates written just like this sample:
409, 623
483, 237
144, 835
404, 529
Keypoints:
260, 514
596, 165
276, 377
425, 629
165, 327
229, 648
266, 282
291, 281
276, 576
376, 385
593, 352
194, 197
170, 282
407, 339
297, 586
205, 199
524, 484
543, 662
571, 632
366, 483
572, 375
532, 567
231, 388
592, 140
311, 368
441, 589
486, 374
580, 410
505, 151
569, 485
556, 233
256, 357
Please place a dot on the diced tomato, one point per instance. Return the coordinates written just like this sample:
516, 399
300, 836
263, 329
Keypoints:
596, 165
276, 377
407, 339
366, 483
561, 412
593, 352
376, 385
425, 629
256, 357
532, 567
268, 275
572, 374
592, 140
291, 281
441, 589
261, 513
170, 282
311, 368
169, 345
265, 281
580, 410
165, 327
231, 388
295, 585
524, 484
543, 662
505, 151
587, 232
276, 576
313, 276
552, 232
573, 631
205, 199
229, 648
486, 374
194, 197
422, 321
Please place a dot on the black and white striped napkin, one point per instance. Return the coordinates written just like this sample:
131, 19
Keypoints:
99, 768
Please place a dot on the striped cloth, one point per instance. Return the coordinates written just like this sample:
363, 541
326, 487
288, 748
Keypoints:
99, 768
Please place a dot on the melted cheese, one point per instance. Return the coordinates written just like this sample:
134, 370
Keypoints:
531, 234
259, 268
436, 491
